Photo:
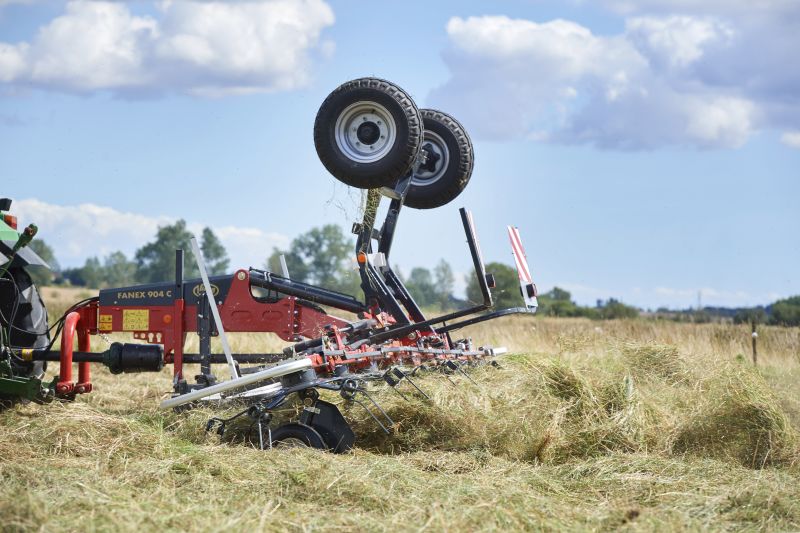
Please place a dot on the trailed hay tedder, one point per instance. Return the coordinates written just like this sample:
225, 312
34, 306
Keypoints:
368, 134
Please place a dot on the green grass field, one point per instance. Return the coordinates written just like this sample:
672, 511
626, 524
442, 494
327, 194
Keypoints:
587, 426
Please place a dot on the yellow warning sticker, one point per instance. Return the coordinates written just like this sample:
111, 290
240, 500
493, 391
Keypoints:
106, 323
27, 354
135, 319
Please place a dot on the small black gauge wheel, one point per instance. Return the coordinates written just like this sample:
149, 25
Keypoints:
293, 435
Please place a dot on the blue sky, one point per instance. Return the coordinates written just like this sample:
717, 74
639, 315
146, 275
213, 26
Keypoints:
646, 150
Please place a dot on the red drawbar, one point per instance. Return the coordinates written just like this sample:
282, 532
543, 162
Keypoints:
65, 386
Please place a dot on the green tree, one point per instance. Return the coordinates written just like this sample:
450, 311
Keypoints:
558, 302
616, 309
214, 253
750, 315
118, 270
421, 287
506, 292
445, 282
298, 270
91, 274
321, 256
559, 294
40, 275
786, 312
155, 261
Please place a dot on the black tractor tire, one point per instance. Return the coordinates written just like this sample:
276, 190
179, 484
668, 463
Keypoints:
449, 166
29, 327
295, 434
368, 133
22, 306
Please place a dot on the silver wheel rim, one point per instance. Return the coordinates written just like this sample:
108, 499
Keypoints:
350, 128
432, 143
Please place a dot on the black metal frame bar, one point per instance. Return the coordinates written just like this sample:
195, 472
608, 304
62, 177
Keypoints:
306, 291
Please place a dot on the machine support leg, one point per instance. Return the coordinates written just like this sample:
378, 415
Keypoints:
84, 373
65, 386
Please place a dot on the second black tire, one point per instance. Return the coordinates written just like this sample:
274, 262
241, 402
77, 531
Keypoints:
368, 133
295, 434
449, 165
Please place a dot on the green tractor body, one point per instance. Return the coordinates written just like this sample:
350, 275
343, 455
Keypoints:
7, 233
13, 252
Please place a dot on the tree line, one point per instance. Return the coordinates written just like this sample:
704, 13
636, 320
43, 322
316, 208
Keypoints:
153, 262
324, 256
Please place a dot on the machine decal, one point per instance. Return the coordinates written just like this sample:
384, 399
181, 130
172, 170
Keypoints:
198, 290
135, 319
106, 323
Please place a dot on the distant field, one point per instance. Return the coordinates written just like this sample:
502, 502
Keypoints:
635, 424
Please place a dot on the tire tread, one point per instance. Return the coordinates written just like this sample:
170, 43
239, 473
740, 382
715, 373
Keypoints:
418, 198
412, 147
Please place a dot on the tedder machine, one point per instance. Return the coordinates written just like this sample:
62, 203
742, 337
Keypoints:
369, 134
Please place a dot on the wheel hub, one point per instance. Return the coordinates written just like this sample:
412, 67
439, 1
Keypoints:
368, 133
365, 132
436, 164
432, 159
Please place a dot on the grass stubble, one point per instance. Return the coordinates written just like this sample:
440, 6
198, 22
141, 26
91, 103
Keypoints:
587, 426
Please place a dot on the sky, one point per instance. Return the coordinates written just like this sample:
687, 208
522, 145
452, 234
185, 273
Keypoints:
648, 151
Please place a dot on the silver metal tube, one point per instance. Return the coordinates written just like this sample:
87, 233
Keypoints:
248, 379
214, 311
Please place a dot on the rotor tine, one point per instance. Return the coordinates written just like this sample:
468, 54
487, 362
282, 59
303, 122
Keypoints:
260, 435
403, 396
459, 369
408, 377
388, 418
370, 413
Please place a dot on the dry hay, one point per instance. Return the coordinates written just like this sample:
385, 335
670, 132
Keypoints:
620, 431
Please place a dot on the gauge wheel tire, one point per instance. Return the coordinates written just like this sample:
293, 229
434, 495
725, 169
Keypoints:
368, 133
295, 434
30, 329
449, 165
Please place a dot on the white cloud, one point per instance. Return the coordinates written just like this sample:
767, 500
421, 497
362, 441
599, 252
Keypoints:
12, 61
721, 121
791, 138
702, 80
210, 48
79, 231
676, 41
